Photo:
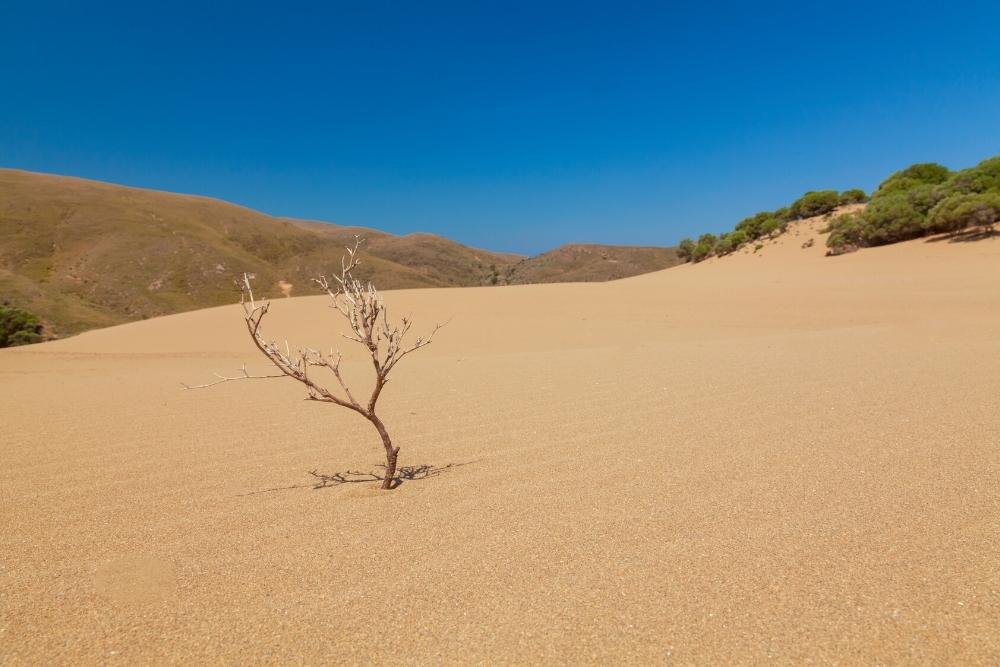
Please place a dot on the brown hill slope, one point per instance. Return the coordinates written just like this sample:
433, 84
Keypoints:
84, 254
580, 262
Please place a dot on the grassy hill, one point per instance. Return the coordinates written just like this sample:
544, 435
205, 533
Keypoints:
83, 254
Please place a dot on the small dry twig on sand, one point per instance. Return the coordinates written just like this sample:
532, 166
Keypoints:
363, 308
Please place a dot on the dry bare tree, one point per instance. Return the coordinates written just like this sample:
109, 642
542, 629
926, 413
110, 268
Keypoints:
364, 309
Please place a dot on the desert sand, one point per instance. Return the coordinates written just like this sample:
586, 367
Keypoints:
768, 457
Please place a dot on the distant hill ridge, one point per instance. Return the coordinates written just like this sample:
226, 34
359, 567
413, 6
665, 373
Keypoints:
82, 254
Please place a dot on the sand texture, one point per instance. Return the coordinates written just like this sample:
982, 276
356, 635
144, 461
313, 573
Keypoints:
771, 457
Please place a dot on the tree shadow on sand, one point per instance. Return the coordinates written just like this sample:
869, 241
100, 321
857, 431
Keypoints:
403, 474
965, 236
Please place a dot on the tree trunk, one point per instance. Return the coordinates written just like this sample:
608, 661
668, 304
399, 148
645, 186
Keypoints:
390, 452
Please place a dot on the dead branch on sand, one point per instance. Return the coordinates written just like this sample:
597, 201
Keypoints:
364, 309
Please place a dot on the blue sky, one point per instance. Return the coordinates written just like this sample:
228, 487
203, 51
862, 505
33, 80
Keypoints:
506, 125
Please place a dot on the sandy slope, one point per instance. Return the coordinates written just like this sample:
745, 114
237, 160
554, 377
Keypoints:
772, 456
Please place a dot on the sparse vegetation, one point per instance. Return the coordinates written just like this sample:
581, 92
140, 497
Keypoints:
925, 198
364, 310
922, 199
766, 224
18, 327
814, 203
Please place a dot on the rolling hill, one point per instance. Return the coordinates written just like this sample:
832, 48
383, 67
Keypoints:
83, 254
584, 262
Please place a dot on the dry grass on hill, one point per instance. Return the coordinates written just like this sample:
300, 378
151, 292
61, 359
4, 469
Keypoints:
83, 254
581, 262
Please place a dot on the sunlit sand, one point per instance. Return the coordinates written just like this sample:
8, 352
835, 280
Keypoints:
768, 456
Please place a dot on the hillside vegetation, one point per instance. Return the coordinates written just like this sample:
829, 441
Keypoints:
921, 200
767, 224
82, 254
18, 327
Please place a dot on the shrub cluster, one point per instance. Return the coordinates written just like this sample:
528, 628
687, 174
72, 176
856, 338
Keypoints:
920, 200
767, 224
18, 327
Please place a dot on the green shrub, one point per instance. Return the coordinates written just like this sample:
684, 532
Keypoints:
685, 249
705, 247
984, 177
814, 203
846, 233
924, 197
963, 211
731, 242
761, 224
726, 244
853, 196
892, 218
749, 226
925, 173
18, 327
722, 243
772, 225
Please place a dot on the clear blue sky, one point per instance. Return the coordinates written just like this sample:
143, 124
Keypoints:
506, 125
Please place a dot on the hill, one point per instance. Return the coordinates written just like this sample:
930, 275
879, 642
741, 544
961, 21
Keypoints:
580, 262
82, 254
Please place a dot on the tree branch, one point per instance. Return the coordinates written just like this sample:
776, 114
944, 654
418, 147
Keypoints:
363, 308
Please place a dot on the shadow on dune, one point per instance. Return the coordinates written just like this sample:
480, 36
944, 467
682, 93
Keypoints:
403, 474
965, 236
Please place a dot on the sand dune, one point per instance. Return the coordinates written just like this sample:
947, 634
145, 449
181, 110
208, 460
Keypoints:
765, 457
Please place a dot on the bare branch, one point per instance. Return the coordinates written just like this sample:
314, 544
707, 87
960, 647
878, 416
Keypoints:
364, 310
222, 378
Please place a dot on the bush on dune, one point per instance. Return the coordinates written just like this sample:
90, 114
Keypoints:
922, 199
704, 248
762, 224
890, 219
984, 177
18, 327
730, 242
924, 173
814, 203
846, 233
964, 211
766, 224
685, 250
854, 196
